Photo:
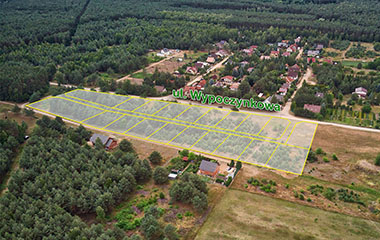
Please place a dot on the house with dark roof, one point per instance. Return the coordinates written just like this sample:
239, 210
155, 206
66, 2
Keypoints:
108, 142
209, 168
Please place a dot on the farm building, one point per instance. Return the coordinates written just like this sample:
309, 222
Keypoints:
108, 142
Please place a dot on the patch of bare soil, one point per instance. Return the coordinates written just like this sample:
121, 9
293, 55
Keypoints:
367, 167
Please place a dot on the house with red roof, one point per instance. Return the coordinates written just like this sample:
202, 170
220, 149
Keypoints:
191, 70
227, 79
274, 53
312, 108
235, 86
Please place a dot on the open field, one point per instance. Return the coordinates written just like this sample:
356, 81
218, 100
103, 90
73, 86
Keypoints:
242, 215
139, 118
353, 171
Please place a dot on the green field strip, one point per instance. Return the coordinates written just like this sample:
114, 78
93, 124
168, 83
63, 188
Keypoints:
233, 147
212, 117
210, 142
59, 106
151, 107
108, 100
171, 111
288, 158
275, 128
258, 152
132, 104
103, 119
189, 137
192, 114
123, 124
232, 120
167, 133
145, 128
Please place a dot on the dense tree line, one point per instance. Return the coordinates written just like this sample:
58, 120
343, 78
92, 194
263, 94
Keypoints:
59, 178
11, 136
80, 38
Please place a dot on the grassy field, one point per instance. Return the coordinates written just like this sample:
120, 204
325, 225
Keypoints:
242, 215
140, 75
351, 63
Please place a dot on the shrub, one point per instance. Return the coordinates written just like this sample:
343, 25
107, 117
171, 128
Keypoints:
188, 214
319, 151
377, 160
228, 182
302, 197
126, 146
162, 195
329, 194
334, 157
160, 175
155, 157
308, 199
179, 216
326, 160
287, 186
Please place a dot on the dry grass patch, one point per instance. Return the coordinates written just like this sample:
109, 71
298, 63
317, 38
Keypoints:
242, 215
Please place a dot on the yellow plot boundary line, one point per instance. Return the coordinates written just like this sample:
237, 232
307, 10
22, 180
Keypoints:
141, 105
121, 102
304, 164
216, 124
182, 112
157, 130
242, 122
179, 124
117, 119
220, 144
264, 126
210, 108
178, 134
161, 109
245, 149
93, 116
180, 147
202, 116
134, 126
272, 154
199, 140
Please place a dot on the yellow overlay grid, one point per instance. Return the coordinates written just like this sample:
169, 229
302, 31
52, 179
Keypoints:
257, 139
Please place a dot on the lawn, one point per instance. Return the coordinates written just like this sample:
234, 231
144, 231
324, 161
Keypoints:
140, 75
351, 63
243, 215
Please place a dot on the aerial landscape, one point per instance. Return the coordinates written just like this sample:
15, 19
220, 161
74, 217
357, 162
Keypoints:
179, 119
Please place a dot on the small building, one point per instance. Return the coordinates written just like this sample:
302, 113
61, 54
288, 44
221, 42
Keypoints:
209, 168
282, 45
191, 70
312, 108
283, 91
319, 47
210, 60
108, 142
286, 54
274, 54
361, 92
249, 70
227, 79
279, 97
264, 57
235, 86
185, 159
312, 53
160, 89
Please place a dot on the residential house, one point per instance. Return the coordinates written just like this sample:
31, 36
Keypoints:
286, 85
249, 70
264, 57
280, 98
227, 79
160, 89
221, 53
191, 70
244, 63
293, 71
283, 91
361, 92
312, 53
274, 54
201, 64
210, 60
297, 40
221, 44
289, 79
108, 142
235, 86
312, 108
286, 54
319, 47
268, 100
311, 60
209, 168
282, 45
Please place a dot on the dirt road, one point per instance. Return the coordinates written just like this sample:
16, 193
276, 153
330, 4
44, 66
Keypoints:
216, 66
